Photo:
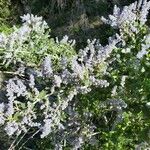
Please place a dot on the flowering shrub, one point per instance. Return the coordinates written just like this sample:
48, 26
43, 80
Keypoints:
129, 73
46, 80
76, 99
30, 43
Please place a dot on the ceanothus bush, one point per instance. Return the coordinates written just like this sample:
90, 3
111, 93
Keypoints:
46, 81
43, 81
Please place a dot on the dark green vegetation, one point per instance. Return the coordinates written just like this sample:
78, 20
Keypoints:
79, 19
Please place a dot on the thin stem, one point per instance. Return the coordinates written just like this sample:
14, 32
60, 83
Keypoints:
11, 73
11, 146
29, 138
21, 138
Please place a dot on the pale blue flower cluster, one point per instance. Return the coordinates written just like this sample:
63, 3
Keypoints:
137, 11
116, 105
24, 95
13, 44
47, 67
145, 47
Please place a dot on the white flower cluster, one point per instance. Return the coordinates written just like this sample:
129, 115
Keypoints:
2, 118
145, 47
14, 90
13, 45
66, 40
36, 23
130, 20
46, 67
137, 11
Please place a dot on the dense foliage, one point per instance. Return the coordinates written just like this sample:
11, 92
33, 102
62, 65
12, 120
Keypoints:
54, 96
80, 19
